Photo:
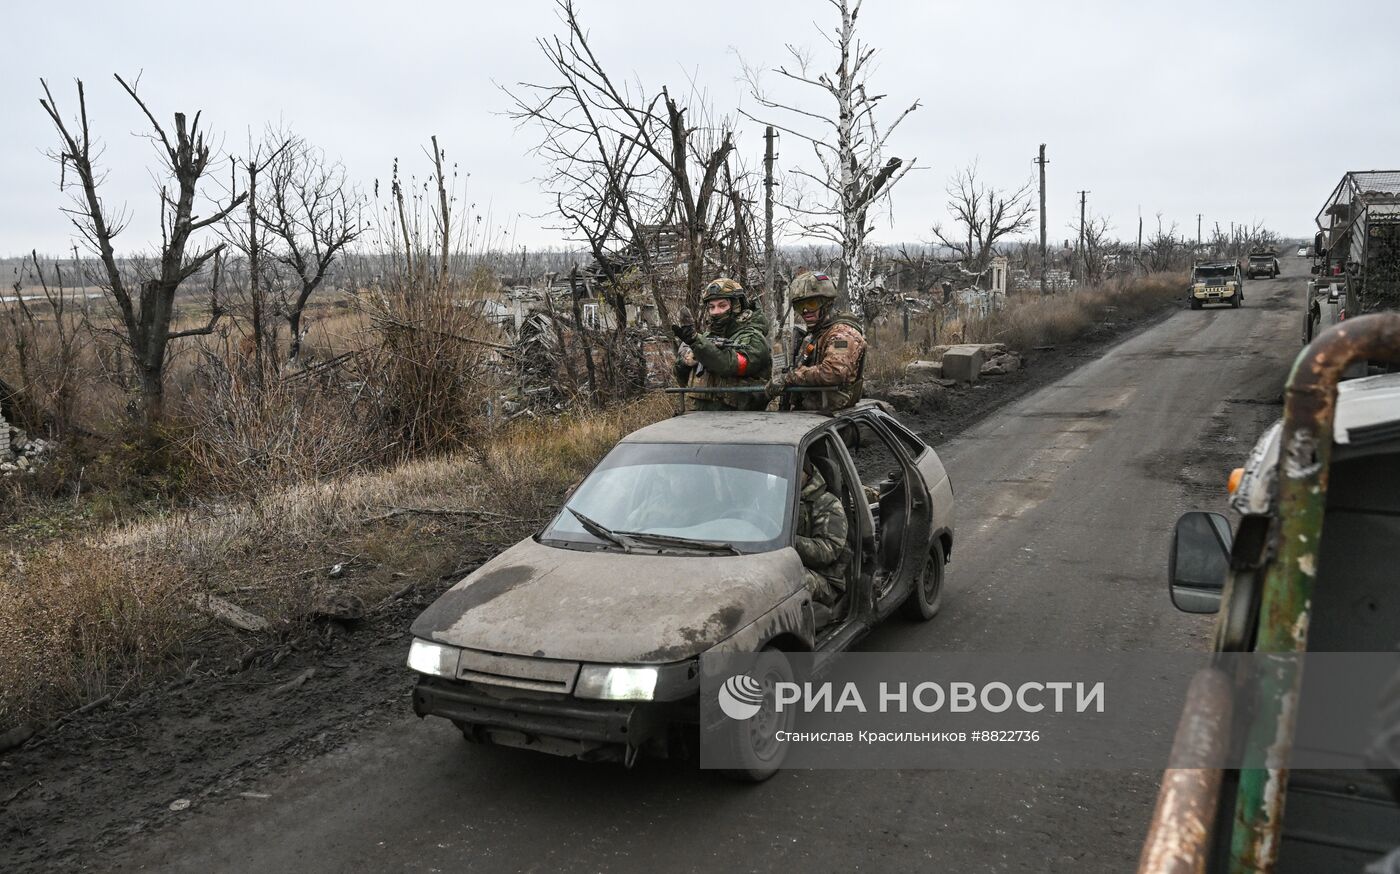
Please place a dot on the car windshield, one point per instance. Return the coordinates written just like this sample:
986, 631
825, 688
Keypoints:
732, 494
1261, 258
1214, 273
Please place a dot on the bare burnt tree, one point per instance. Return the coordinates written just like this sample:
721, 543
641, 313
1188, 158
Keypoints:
920, 269
1097, 247
48, 346
738, 242
982, 215
247, 234
606, 142
1166, 249
145, 314
852, 174
314, 213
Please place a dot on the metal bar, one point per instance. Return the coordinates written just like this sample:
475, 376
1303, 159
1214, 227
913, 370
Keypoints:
1178, 840
745, 389
1309, 412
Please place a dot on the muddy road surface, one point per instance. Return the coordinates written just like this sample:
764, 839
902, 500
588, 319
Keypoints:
1066, 499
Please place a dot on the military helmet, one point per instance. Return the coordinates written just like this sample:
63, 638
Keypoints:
809, 285
724, 288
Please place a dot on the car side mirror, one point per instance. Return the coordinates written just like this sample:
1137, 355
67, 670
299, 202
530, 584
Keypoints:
1316, 269
1199, 562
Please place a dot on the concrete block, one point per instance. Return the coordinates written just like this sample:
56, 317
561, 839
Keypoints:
963, 363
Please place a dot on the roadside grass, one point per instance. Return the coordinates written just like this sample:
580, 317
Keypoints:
1026, 321
111, 610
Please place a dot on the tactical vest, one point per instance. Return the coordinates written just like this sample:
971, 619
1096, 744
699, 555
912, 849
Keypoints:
727, 400
809, 353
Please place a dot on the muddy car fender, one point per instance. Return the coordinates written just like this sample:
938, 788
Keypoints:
789, 625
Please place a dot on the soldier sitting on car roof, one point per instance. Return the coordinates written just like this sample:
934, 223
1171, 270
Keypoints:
830, 355
732, 352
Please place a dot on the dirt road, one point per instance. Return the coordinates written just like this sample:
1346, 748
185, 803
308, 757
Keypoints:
1066, 500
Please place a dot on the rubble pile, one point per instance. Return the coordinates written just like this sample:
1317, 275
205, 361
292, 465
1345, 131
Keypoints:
965, 362
20, 453
945, 368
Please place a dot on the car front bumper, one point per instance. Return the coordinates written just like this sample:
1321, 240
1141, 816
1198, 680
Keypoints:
559, 724
1213, 293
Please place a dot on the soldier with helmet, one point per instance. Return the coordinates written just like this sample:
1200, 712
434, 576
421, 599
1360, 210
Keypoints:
831, 354
732, 351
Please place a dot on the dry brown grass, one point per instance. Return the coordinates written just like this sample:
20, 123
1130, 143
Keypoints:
87, 618
73, 621
1026, 321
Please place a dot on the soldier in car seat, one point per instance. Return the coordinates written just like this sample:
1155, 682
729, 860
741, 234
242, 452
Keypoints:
821, 539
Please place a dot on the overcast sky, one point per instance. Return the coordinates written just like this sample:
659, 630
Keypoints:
1241, 111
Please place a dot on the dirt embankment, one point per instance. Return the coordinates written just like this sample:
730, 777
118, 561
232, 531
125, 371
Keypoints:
245, 705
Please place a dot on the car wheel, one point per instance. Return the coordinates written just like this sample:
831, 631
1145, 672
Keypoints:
1236, 301
1195, 304
753, 742
923, 602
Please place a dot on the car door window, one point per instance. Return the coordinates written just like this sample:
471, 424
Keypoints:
905, 438
873, 453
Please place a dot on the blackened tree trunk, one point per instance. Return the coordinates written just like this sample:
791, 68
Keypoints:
145, 319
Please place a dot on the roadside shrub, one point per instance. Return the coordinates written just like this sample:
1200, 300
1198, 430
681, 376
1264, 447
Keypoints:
78, 621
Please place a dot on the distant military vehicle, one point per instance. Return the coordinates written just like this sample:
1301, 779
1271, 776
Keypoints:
1359, 238
1263, 263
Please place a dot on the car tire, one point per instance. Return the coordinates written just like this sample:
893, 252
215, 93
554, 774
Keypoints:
1195, 304
924, 601
1236, 301
753, 741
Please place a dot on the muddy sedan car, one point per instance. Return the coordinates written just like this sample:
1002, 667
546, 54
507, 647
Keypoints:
584, 639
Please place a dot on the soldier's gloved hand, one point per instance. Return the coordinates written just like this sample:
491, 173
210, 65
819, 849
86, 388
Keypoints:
775, 386
684, 333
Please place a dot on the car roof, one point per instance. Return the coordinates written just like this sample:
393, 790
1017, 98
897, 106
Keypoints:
725, 427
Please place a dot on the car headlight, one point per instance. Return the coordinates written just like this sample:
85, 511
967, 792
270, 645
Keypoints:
615, 683
427, 657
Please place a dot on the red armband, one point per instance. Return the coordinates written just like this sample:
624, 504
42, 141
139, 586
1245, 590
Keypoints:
743, 363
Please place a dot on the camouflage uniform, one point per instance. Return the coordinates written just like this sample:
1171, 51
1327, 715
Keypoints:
821, 541
733, 352
833, 354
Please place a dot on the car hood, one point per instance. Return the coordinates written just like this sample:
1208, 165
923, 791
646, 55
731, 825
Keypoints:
548, 602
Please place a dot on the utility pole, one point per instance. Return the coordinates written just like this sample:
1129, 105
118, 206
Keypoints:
1042, 162
770, 259
1083, 255
1198, 230
1139, 245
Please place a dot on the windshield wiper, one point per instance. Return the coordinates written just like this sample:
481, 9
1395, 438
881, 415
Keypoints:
673, 540
600, 531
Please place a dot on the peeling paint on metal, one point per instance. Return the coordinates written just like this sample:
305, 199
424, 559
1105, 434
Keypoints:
1300, 455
